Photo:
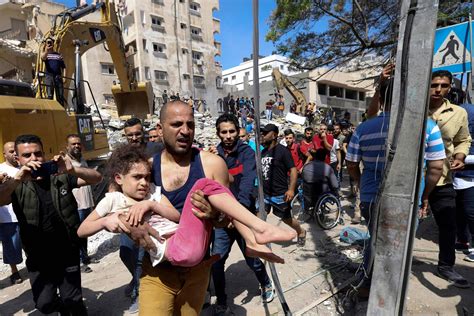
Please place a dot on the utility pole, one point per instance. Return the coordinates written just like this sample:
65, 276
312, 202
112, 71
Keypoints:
258, 155
397, 206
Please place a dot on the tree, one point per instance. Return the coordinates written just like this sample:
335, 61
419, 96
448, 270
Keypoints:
314, 33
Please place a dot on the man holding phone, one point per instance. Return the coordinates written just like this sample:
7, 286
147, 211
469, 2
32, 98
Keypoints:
54, 67
47, 214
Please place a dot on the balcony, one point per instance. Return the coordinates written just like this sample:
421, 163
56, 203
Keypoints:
158, 28
196, 37
160, 55
218, 46
216, 25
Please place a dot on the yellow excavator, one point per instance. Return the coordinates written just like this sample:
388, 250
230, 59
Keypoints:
281, 81
25, 112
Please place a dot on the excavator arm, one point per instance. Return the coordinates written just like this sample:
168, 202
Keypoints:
131, 97
281, 81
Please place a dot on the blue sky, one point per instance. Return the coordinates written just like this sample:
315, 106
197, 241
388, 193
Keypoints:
236, 29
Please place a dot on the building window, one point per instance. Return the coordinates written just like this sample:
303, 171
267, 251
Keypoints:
195, 8
161, 76
322, 88
199, 81
361, 96
183, 25
147, 73
352, 94
186, 76
107, 69
144, 46
335, 92
282, 67
233, 78
136, 73
247, 73
159, 48
226, 80
157, 23
197, 55
219, 82
266, 67
160, 2
196, 33
184, 51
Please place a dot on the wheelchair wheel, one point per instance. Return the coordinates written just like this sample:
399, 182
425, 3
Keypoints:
328, 211
297, 208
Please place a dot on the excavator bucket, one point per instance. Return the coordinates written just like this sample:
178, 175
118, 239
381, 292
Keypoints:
136, 102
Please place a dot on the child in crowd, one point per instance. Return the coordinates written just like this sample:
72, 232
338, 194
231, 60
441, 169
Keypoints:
182, 244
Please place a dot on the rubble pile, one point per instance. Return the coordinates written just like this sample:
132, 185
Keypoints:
205, 133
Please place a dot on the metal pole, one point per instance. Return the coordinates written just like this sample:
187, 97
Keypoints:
256, 95
469, 82
396, 209
77, 76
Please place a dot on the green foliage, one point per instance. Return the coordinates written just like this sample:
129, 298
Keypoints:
315, 33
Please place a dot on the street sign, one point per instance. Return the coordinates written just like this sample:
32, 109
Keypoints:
452, 49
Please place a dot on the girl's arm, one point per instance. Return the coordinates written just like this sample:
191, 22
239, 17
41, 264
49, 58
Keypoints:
95, 223
163, 208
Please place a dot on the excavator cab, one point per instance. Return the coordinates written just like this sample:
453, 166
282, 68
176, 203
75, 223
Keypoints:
137, 102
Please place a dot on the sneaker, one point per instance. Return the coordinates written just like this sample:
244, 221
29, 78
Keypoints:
221, 310
85, 268
452, 277
133, 309
268, 293
469, 257
462, 247
15, 278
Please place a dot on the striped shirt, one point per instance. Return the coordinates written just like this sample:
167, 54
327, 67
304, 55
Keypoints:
368, 144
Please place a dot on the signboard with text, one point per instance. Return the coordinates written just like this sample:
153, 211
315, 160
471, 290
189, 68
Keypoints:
85, 129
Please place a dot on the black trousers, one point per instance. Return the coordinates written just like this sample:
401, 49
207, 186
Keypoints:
48, 275
443, 205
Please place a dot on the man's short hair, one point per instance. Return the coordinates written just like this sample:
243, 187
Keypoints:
72, 136
27, 139
319, 154
289, 132
227, 117
152, 129
338, 124
132, 122
323, 123
165, 106
309, 128
442, 73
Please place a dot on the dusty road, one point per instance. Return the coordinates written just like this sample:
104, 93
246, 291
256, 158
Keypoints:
302, 277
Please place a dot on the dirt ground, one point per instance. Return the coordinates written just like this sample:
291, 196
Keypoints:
309, 274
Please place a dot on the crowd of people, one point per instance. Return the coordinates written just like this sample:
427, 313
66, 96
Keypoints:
179, 209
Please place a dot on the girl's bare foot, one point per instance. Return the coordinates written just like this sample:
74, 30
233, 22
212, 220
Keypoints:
263, 252
271, 233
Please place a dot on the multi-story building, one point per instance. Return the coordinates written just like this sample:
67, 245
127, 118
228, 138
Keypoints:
238, 76
171, 43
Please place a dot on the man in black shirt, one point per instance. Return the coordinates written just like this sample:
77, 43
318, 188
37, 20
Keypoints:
55, 66
47, 214
276, 164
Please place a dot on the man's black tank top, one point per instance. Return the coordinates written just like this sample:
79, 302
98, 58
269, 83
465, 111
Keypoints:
178, 196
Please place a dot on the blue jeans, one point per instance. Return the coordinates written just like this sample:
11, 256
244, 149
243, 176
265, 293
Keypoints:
83, 213
222, 242
132, 257
10, 238
465, 215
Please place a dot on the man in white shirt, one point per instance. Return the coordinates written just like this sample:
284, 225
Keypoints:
9, 229
83, 195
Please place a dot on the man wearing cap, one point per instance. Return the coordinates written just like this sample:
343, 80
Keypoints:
277, 163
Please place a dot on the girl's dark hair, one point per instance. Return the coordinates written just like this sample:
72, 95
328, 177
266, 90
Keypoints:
121, 161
